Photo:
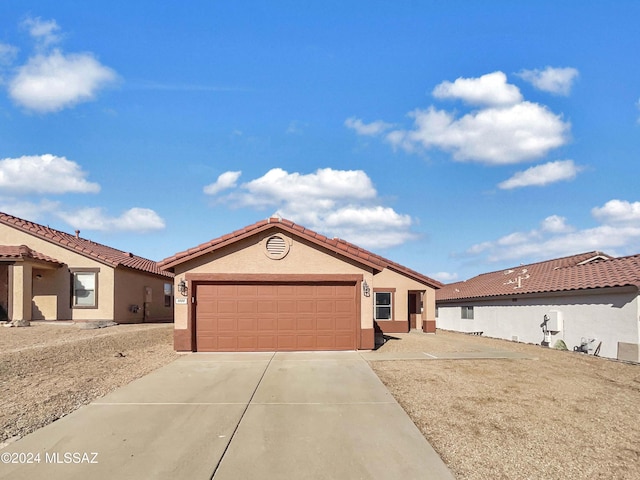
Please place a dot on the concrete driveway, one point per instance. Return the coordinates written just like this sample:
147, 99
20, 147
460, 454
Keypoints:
301, 415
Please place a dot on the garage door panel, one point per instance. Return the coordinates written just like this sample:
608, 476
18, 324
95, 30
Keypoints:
286, 323
343, 291
343, 342
286, 306
218, 290
342, 323
268, 317
247, 343
305, 306
226, 324
305, 290
247, 290
286, 342
269, 291
267, 306
325, 323
247, 324
306, 323
267, 342
227, 343
285, 290
269, 324
325, 306
344, 306
325, 342
326, 291
247, 306
305, 342
225, 306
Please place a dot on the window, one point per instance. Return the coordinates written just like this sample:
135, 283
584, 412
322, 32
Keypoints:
84, 292
384, 305
168, 294
467, 313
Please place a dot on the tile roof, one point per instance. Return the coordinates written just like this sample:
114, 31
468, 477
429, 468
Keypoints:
340, 246
13, 252
100, 253
578, 272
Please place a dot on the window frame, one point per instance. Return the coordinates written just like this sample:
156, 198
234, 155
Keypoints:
466, 312
392, 304
74, 297
169, 296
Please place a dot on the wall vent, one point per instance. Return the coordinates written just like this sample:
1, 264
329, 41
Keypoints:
276, 247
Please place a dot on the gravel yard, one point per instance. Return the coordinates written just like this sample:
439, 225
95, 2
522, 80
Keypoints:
48, 370
556, 415
551, 415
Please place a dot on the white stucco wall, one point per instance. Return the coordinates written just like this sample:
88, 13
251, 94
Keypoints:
608, 315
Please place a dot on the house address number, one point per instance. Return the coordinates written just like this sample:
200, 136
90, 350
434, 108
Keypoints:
181, 301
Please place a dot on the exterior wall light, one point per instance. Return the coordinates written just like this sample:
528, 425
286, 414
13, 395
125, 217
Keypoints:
182, 288
366, 291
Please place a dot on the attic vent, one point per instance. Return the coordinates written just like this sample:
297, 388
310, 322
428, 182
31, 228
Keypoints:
276, 247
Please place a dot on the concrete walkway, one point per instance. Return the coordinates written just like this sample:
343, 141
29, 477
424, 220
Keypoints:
237, 416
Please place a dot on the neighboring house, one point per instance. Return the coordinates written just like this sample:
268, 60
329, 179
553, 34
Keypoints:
589, 301
46, 274
275, 285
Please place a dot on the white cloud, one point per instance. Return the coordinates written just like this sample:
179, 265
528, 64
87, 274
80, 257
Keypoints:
618, 212
494, 136
26, 209
542, 175
505, 129
7, 53
45, 32
369, 129
133, 220
617, 233
225, 181
322, 188
444, 277
43, 174
340, 203
553, 80
491, 89
556, 224
51, 82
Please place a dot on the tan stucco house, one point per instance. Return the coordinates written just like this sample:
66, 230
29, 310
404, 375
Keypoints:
46, 274
275, 285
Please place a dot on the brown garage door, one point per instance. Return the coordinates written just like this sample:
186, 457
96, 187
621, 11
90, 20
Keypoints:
275, 317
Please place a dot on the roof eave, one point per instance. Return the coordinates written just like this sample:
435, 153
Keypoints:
165, 265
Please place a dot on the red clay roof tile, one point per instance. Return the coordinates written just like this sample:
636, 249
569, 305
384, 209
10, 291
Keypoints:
338, 245
102, 253
578, 272
22, 251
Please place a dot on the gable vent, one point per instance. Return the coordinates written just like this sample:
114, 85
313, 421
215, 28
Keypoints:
276, 247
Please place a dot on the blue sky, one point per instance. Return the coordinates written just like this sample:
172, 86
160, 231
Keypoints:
452, 137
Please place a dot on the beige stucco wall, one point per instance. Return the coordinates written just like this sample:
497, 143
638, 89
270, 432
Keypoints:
403, 285
247, 256
304, 257
145, 291
56, 283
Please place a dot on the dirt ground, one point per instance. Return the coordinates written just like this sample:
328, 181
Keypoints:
552, 415
555, 415
48, 370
